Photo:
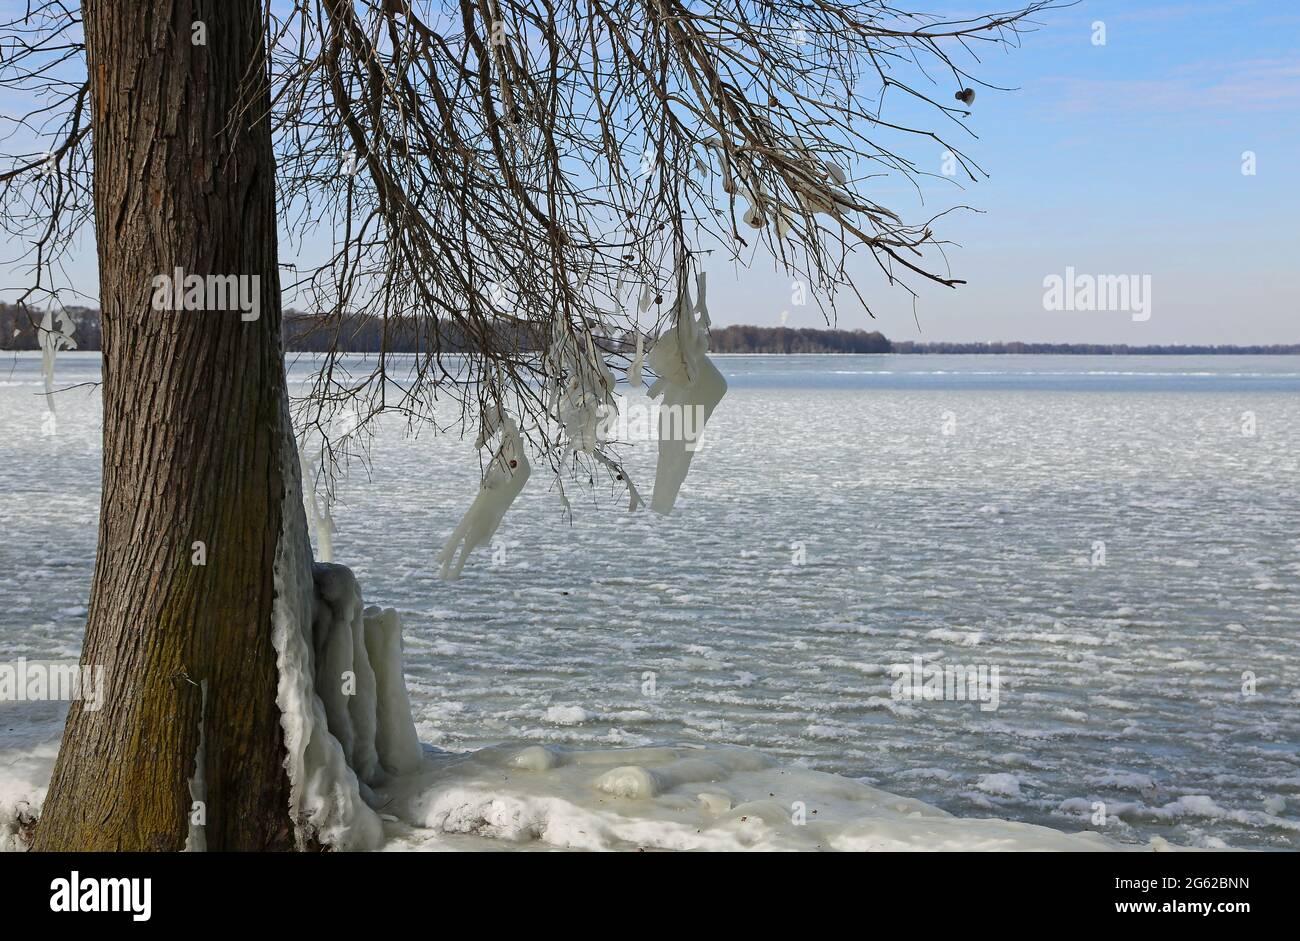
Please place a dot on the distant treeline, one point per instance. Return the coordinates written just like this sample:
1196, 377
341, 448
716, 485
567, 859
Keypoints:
19, 327
745, 339
303, 333
1088, 349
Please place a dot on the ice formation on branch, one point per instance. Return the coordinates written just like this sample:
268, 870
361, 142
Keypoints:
52, 341
582, 400
822, 187
319, 514
825, 192
581, 390
638, 362
317, 448
691, 387
507, 472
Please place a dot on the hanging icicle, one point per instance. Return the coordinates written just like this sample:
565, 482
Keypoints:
506, 475
52, 341
319, 516
634, 377
691, 387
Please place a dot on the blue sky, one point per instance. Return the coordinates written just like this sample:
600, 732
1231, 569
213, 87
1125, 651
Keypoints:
1115, 159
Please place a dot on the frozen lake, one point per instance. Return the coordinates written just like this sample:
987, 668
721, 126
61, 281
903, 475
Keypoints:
1104, 530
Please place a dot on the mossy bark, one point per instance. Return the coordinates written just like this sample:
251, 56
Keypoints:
184, 178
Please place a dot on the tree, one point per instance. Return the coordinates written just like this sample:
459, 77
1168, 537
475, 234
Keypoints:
502, 176
193, 436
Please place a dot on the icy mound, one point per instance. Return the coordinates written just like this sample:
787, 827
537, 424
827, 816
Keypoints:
358, 668
682, 798
343, 705
345, 711
24, 779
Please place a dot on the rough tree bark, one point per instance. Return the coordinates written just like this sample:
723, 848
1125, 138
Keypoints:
192, 443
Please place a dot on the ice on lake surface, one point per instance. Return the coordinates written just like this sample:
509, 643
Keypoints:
845, 514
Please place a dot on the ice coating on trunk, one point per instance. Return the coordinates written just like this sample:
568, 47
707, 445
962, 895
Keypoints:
321, 630
197, 841
398, 745
325, 798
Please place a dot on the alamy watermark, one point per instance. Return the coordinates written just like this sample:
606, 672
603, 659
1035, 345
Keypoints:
627, 420
1103, 292
181, 291
916, 682
52, 681
78, 893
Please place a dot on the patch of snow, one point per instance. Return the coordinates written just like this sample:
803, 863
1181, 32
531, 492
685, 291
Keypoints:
680, 798
567, 715
964, 638
1000, 783
1128, 781
24, 780
528, 796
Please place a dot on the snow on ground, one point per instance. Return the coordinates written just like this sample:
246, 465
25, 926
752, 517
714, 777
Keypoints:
31, 737
680, 798
513, 797
528, 796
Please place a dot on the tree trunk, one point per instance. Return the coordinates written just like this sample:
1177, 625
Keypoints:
193, 443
